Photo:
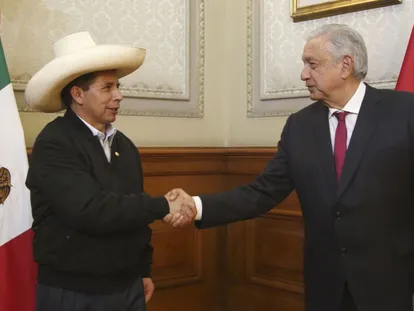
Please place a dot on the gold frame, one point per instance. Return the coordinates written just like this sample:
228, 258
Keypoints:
329, 8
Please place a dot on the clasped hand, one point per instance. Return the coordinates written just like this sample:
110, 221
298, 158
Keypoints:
183, 210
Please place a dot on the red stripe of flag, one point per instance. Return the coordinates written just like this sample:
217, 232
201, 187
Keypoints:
18, 274
406, 78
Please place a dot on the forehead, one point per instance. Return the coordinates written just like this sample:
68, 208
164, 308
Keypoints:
109, 76
315, 49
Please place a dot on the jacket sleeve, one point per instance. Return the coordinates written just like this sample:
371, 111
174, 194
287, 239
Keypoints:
62, 178
146, 273
149, 250
269, 189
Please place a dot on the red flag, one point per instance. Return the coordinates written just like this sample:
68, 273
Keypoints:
406, 78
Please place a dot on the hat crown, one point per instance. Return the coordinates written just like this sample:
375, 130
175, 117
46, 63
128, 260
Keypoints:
73, 43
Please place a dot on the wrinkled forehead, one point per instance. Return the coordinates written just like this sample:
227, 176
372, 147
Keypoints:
315, 49
109, 76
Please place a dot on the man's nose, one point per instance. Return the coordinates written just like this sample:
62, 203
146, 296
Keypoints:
305, 74
118, 95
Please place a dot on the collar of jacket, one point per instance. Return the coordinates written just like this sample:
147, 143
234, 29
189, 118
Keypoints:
76, 124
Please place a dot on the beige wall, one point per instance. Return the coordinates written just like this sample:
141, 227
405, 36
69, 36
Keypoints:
225, 121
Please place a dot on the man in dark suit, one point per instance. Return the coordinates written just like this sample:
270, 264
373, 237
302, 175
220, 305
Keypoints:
350, 158
91, 214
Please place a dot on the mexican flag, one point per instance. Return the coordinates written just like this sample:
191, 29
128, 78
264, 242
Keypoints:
17, 268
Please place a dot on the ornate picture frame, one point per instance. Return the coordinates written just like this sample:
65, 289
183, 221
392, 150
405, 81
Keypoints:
302, 10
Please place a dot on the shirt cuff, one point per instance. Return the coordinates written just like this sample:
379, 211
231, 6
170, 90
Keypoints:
199, 207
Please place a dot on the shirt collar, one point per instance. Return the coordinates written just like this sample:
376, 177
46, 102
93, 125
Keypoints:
354, 104
110, 131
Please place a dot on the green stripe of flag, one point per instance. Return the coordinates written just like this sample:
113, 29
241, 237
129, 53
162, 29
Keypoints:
4, 73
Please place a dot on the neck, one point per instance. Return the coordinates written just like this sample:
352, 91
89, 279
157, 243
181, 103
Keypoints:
341, 97
99, 126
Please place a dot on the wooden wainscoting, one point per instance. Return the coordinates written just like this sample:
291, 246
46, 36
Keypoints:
263, 255
186, 261
245, 266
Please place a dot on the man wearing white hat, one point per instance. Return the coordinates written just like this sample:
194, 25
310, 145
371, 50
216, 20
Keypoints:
91, 216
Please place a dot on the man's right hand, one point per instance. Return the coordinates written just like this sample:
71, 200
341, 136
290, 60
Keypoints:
182, 208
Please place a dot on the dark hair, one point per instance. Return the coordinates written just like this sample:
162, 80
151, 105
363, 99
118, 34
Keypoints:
83, 82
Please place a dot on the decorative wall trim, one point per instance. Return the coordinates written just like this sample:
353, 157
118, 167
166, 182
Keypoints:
303, 92
249, 56
165, 100
257, 105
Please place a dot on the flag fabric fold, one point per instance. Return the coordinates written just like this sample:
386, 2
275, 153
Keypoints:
405, 80
17, 267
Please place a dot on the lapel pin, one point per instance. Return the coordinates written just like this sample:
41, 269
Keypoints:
117, 154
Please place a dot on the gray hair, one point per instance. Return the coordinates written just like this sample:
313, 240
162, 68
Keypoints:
343, 40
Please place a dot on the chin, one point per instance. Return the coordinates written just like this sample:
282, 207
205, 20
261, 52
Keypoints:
316, 96
110, 119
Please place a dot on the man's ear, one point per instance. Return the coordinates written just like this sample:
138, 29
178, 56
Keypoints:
77, 94
347, 66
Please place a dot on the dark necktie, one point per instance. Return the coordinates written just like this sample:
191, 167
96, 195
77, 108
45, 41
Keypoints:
340, 142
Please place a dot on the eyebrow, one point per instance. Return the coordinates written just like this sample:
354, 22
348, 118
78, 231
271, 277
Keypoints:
110, 84
308, 58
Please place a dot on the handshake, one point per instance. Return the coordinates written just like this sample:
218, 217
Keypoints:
183, 209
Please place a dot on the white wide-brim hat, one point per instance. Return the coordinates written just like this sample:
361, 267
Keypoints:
76, 55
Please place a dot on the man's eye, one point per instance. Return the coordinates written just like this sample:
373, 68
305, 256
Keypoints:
313, 65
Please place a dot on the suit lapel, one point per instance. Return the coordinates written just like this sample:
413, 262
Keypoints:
364, 128
322, 137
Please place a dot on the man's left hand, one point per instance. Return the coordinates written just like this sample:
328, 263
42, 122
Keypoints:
149, 288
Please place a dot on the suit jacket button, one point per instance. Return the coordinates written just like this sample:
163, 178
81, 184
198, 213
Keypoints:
338, 215
343, 251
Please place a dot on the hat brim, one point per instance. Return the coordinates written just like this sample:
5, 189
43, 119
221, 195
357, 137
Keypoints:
43, 90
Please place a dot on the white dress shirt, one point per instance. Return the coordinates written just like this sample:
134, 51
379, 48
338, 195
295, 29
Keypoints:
105, 139
353, 106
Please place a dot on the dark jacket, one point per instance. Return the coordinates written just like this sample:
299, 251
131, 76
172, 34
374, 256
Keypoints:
360, 230
91, 217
